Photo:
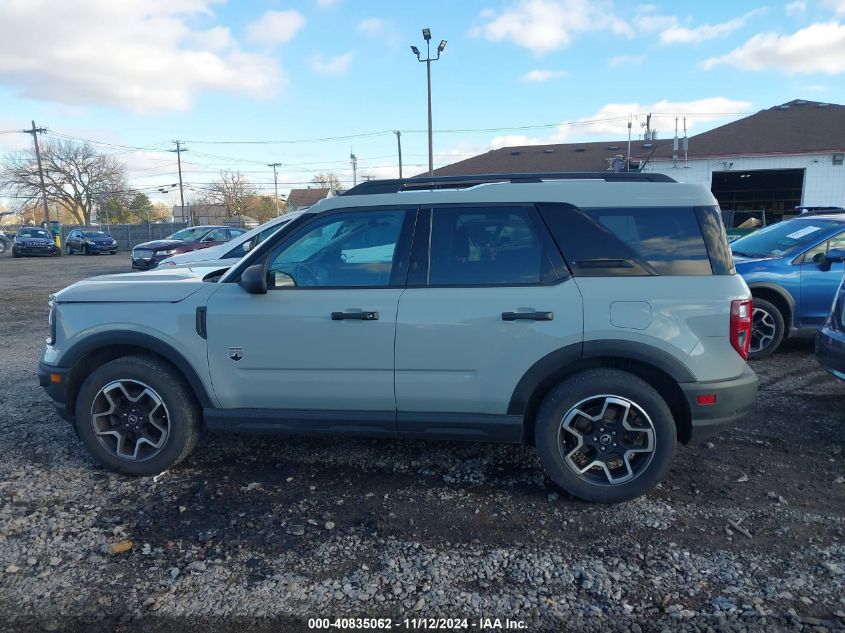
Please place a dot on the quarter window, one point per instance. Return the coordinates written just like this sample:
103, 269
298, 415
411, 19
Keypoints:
354, 249
629, 241
487, 247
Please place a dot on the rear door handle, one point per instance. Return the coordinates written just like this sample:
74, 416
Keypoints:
527, 316
356, 315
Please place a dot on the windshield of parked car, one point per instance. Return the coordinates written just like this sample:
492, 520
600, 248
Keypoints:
95, 234
34, 233
783, 237
191, 234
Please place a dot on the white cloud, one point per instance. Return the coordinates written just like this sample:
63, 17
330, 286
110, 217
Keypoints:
325, 4
626, 60
796, 8
678, 34
336, 65
275, 27
611, 121
837, 6
543, 26
814, 49
539, 76
372, 27
138, 55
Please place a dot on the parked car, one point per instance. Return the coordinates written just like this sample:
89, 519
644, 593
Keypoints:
830, 341
229, 253
535, 309
5, 242
33, 240
792, 281
149, 254
90, 242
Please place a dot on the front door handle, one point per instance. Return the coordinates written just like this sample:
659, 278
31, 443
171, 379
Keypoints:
355, 314
528, 316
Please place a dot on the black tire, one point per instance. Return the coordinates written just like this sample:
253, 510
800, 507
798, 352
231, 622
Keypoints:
182, 411
15, 252
113, 253
68, 249
2, 247
767, 329
593, 386
57, 252
86, 250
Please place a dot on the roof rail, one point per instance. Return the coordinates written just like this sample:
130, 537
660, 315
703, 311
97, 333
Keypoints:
459, 182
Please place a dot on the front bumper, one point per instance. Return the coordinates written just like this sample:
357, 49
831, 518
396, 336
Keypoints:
734, 399
146, 263
36, 250
830, 350
101, 248
56, 389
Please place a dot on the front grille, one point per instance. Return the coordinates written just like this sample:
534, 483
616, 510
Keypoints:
142, 254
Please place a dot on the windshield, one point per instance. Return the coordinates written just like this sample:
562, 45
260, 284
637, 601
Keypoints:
34, 233
191, 234
780, 238
94, 234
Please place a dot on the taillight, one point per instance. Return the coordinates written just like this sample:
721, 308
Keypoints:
741, 311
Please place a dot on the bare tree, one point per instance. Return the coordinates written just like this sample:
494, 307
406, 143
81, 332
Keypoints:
327, 180
233, 191
76, 176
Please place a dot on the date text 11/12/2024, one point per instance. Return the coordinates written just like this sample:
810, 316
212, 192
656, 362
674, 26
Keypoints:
418, 624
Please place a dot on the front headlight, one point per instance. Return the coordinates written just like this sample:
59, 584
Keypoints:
51, 320
89, 242
167, 252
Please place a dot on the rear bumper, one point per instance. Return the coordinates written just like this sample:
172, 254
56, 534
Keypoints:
56, 390
734, 399
830, 350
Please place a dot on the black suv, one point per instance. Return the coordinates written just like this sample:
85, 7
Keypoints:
33, 240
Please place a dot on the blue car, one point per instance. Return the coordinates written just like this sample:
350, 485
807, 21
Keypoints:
790, 276
830, 342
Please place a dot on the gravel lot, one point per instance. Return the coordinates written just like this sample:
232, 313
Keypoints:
262, 533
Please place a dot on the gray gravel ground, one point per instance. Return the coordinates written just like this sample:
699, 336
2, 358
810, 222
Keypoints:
263, 533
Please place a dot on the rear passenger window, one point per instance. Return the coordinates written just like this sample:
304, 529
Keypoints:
488, 247
629, 241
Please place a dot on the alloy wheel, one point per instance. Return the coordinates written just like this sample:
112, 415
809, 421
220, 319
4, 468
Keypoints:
607, 440
130, 420
763, 330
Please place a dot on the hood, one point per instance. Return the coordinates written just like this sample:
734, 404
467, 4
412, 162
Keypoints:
201, 255
99, 240
740, 259
154, 286
157, 244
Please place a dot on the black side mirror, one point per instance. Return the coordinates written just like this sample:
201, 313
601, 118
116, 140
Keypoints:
254, 280
834, 255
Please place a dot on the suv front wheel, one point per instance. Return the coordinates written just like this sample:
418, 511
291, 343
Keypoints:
605, 435
137, 415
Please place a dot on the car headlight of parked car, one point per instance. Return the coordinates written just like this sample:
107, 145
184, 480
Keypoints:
51, 320
167, 252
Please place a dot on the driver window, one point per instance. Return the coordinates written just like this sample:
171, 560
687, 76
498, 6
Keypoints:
815, 254
218, 235
353, 249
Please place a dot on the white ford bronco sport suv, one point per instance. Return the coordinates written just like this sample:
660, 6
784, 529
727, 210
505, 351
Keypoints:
597, 317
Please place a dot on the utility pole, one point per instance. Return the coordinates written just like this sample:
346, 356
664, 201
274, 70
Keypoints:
276, 185
399, 145
354, 160
179, 149
35, 131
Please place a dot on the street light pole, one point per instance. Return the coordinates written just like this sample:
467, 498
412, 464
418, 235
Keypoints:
428, 59
276, 185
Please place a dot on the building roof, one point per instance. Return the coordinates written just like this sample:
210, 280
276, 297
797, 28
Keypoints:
796, 127
306, 197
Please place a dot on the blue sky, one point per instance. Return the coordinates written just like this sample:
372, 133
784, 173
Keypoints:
140, 73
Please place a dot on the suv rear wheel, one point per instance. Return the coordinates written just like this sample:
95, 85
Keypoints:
605, 435
137, 416
766, 329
